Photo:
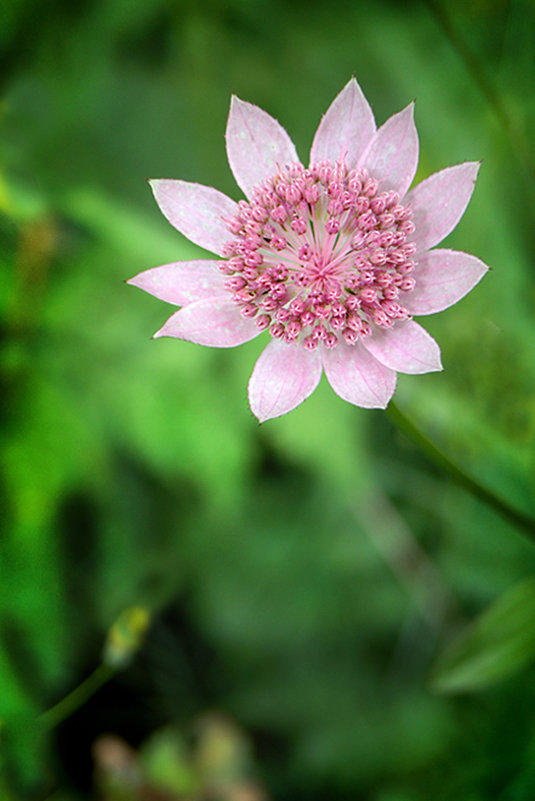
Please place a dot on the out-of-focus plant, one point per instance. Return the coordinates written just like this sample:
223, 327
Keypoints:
210, 760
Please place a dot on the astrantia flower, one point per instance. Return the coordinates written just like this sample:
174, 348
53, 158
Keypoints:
331, 260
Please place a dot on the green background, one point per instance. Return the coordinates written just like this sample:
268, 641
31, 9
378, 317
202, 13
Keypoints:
303, 576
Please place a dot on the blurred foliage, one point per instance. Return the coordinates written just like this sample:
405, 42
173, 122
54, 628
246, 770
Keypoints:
501, 642
304, 575
212, 761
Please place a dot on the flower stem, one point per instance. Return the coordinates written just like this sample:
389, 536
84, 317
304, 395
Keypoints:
511, 125
64, 708
522, 521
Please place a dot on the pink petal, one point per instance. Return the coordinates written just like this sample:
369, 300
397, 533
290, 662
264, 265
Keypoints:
406, 347
442, 278
346, 128
215, 322
199, 212
182, 282
392, 154
358, 377
439, 202
283, 377
257, 145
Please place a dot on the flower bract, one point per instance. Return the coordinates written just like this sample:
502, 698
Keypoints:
332, 260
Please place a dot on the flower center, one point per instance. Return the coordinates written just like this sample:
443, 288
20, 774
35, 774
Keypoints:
318, 254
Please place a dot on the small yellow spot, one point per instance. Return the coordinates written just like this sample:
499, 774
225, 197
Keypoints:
126, 636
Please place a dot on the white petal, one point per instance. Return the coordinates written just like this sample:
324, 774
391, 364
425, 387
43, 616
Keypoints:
392, 154
182, 282
257, 145
406, 347
442, 278
439, 202
199, 212
346, 128
284, 375
215, 322
357, 377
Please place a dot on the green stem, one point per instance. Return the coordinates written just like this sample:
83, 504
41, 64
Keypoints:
76, 698
525, 523
511, 125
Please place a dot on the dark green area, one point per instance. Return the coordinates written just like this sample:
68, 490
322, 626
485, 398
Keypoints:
305, 577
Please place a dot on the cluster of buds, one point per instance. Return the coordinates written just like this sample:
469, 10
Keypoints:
319, 254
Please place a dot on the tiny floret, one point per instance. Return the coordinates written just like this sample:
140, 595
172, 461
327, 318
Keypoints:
331, 261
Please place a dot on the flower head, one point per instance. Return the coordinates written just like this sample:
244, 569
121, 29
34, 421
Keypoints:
332, 260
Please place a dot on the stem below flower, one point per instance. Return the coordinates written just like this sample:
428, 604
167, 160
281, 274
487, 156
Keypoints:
64, 708
511, 125
522, 521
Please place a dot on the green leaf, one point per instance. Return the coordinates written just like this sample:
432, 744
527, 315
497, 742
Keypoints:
498, 644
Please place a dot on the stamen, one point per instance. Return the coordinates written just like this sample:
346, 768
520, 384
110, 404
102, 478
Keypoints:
319, 254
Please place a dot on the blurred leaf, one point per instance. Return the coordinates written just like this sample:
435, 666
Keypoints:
498, 644
122, 228
23, 754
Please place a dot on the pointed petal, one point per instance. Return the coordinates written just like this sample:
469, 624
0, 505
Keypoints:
346, 128
357, 377
182, 282
199, 212
442, 278
283, 377
257, 145
215, 322
439, 202
406, 347
392, 154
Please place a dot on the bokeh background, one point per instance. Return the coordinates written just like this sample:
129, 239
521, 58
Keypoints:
303, 578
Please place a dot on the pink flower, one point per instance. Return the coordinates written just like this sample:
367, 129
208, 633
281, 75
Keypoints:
332, 260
